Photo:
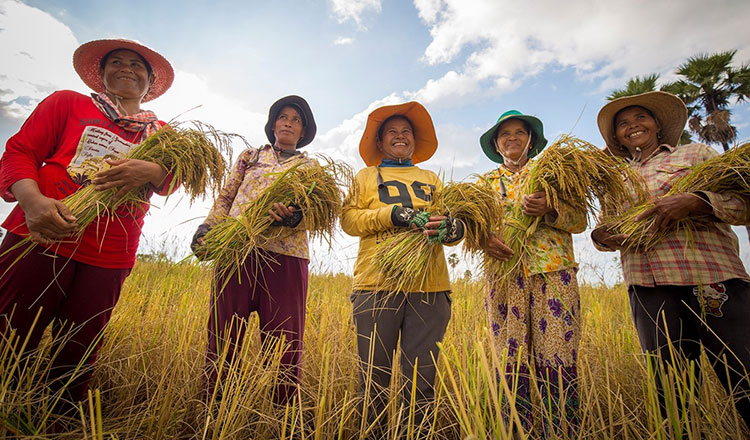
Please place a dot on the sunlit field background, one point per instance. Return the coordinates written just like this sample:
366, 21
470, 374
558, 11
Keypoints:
148, 378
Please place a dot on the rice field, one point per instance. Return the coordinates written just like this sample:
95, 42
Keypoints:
148, 378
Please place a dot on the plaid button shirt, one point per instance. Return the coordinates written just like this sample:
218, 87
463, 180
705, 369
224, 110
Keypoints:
714, 255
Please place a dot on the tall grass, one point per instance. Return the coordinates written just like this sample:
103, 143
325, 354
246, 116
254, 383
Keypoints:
149, 375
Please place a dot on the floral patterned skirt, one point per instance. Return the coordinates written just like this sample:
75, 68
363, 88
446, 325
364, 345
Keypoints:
536, 318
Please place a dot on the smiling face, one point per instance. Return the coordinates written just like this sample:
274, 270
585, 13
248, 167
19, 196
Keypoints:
636, 129
397, 139
288, 128
125, 74
511, 139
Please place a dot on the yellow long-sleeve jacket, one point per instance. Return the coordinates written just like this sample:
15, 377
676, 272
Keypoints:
367, 214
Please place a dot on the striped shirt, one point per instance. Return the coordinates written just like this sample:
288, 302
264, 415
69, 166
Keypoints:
714, 253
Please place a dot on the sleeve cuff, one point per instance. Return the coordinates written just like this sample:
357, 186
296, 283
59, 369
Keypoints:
166, 186
384, 216
724, 208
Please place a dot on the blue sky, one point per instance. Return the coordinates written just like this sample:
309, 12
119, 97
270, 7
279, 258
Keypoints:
466, 60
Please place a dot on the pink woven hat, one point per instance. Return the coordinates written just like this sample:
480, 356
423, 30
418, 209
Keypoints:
88, 57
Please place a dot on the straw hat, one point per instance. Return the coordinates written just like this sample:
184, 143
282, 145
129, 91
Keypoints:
668, 109
88, 57
303, 108
487, 140
424, 132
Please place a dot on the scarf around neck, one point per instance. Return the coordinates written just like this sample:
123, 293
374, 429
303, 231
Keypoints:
145, 121
285, 154
396, 163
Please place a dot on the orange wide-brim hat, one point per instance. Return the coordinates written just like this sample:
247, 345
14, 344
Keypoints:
424, 132
88, 57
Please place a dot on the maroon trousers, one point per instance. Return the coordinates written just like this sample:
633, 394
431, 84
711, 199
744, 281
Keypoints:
65, 293
274, 286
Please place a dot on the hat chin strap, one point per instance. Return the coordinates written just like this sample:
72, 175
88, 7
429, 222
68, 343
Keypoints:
119, 104
517, 163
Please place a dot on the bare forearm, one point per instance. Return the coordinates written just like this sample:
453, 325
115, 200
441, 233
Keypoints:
25, 191
48, 219
159, 175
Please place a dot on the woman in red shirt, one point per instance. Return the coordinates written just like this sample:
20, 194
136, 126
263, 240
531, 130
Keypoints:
67, 142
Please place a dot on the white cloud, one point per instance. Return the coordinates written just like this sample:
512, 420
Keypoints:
503, 42
345, 10
450, 87
429, 9
41, 63
36, 59
343, 41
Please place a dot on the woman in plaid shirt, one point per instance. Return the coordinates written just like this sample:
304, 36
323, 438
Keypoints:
689, 294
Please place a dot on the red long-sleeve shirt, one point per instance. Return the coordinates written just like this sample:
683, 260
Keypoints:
65, 133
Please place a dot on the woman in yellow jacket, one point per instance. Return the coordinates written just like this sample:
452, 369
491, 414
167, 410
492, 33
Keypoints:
387, 196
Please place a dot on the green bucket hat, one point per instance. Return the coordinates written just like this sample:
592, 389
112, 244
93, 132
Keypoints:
487, 139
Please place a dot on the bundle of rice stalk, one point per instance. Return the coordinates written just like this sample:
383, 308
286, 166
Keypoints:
727, 174
402, 261
477, 205
316, 189
403, 258
638, 231
572, 171
192, 156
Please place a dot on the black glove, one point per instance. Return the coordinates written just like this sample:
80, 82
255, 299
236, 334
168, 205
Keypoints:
404, 217
450, 230
196, 247
290, 222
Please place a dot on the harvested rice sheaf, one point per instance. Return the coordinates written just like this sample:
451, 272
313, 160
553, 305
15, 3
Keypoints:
315, 187
190, 152
477, 205
570, 171
403, 258
728, 173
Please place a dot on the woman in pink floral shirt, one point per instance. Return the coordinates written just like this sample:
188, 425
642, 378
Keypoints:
273, 281
535, 318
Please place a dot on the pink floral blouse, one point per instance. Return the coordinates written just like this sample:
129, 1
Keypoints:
246, 182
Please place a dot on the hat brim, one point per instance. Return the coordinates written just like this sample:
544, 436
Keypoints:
488, 144
668, 109
88, 57
424, 132
299, 103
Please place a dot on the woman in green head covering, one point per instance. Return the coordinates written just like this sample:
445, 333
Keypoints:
535, 317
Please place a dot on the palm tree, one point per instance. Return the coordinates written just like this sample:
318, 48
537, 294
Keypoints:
709, 83
453, 261
638, 85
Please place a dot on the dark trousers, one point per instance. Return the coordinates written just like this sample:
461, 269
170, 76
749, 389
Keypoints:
675, 313
274, 286
63, 292
381, 318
